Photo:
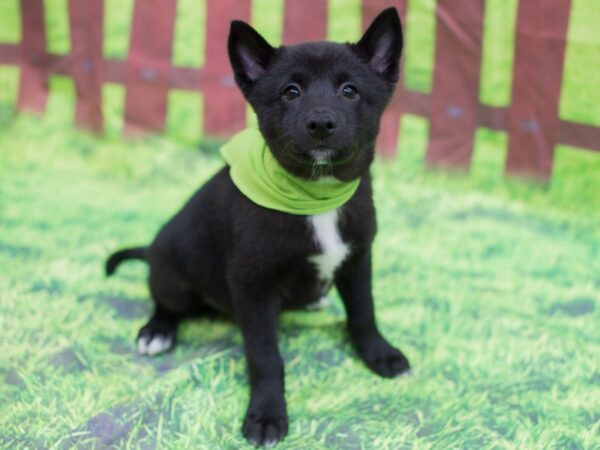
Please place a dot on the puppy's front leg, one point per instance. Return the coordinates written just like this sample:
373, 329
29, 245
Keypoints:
266, 418
353, 282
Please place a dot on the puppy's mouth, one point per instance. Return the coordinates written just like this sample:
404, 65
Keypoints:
323, 156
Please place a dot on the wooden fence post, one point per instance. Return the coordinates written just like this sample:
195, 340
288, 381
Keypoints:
148, 67
33, 86
387, 141
224, 105
86, 22
304, 20
537, 77
455, 92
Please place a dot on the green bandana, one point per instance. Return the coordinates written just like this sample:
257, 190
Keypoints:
258, 175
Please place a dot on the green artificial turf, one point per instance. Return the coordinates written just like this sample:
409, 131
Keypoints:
490, 285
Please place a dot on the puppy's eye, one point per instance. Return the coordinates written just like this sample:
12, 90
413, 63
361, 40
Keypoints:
349, 91
292, 92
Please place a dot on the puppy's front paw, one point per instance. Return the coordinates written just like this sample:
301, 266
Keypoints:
383, 359
264, 427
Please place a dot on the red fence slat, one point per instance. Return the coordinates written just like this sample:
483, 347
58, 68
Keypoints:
491, 117
579, 135
224, 105
86, 21
149, 65
33, 86
537, 77
455, 91
387, 141
185, 78
304, 20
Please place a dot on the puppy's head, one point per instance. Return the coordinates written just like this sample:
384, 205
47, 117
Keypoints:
319, 103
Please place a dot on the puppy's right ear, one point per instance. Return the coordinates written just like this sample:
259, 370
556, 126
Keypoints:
249, 54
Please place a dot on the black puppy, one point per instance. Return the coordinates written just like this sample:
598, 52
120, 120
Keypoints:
318, 106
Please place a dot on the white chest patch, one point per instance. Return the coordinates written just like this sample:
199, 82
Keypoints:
328, 238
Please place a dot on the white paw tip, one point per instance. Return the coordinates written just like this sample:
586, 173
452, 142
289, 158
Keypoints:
406, 374
154, 346
142, 345
322, 303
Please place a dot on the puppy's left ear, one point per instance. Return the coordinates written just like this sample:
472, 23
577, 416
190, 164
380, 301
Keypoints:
249, 54
381, 45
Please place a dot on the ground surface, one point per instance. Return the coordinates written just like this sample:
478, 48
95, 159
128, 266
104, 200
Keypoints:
490, 286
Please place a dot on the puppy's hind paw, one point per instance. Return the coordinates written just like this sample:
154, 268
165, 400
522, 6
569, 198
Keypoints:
322, 303
154, 339
154, 345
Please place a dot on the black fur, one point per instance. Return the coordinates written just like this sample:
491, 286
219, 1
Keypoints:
117, 258
224, 252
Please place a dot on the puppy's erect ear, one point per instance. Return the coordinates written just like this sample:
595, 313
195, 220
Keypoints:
249, 54
381, 45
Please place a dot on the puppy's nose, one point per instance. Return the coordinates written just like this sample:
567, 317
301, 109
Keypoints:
321, 125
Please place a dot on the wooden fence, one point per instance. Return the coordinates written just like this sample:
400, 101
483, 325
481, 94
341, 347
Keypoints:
453, 107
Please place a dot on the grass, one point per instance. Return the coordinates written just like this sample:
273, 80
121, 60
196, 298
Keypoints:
490, 285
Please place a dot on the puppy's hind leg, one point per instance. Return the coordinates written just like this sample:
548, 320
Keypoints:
174, 300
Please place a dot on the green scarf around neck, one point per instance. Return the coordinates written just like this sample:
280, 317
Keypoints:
258, 175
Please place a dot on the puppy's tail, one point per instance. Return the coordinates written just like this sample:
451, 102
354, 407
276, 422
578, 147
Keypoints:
122, 255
